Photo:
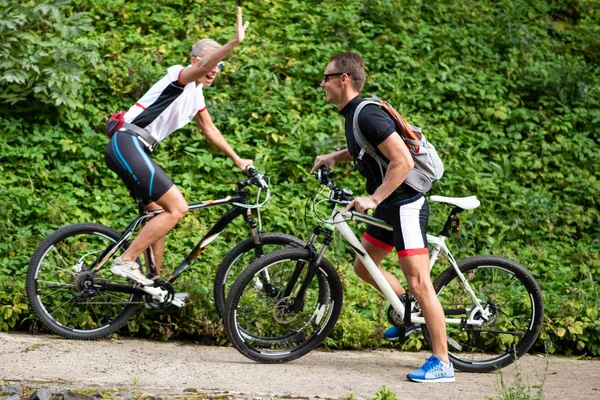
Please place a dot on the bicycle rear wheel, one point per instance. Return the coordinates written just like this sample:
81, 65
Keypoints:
241, 256
270, 319
66, 297
511, 296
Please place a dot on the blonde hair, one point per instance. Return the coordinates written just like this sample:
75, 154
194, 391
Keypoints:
204, 45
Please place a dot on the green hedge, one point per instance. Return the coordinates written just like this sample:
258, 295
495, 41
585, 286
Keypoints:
508, 91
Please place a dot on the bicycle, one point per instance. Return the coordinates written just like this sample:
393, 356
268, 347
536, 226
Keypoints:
73, 293
493, 305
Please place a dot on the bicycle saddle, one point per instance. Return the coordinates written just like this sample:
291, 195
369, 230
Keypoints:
466, 203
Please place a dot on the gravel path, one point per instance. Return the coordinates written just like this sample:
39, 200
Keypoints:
141, 366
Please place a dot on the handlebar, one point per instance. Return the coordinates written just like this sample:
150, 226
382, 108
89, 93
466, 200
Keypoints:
324, 176
255, 178
337, 195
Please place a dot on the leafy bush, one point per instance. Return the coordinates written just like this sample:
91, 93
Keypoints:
507, 91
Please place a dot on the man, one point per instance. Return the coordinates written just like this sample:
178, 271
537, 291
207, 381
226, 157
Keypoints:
170, 104
396, 203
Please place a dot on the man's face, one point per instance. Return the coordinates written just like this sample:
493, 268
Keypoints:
208, 79
332, 83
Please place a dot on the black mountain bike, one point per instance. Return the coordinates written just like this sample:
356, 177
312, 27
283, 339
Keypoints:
73, 293
493, 305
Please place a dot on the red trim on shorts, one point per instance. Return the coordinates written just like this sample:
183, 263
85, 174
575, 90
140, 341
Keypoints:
202, 109
140, 106
412, 252
377, 242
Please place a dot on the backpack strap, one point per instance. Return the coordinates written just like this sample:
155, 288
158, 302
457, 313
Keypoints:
410, 134
363, 143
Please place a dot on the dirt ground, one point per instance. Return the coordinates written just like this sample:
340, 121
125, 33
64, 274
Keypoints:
177, 369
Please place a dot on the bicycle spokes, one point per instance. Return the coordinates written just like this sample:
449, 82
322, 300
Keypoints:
503, 322
70, 298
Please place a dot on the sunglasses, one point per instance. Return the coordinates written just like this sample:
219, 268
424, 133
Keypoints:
220, 64
326, 76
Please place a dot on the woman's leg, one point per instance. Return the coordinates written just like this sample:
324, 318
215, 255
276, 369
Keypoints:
155, 230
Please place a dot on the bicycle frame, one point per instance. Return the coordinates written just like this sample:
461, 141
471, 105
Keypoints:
339, 220
208, 238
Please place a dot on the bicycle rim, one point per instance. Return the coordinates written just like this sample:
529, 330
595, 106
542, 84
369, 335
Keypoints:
513, 301
58, 273
263, 323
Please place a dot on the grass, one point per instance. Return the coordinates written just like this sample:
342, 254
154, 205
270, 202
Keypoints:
518, 390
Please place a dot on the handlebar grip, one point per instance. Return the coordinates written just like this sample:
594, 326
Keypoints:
324, 176
251, 171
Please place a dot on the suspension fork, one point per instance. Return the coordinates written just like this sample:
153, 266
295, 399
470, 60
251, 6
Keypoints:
263, 275
255, 233
314, 261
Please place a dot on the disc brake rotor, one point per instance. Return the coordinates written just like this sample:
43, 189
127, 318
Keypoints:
281, 311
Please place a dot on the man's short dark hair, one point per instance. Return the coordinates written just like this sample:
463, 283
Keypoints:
353, 65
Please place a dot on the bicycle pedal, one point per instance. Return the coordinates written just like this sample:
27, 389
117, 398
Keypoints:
178, 303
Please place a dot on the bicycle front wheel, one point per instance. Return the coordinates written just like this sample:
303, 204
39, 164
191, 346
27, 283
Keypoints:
66, 296
512, 315
275, 314
241, 256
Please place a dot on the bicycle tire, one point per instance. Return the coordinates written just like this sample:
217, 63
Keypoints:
502, 286
234, 262
52, 277
270, 339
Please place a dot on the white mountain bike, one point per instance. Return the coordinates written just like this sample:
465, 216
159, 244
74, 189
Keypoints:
287, 302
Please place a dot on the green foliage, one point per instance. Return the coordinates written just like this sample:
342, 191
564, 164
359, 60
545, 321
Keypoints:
507, 91
13, 303
45, 50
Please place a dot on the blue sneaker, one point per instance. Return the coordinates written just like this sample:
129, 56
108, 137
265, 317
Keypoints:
433, 371
393, 332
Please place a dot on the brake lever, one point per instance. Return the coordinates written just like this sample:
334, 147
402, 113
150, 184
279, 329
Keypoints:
255, 176
261, 180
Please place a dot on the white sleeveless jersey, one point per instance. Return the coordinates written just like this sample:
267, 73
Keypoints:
167, 106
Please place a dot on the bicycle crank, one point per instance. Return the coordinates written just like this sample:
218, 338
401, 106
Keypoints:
160, 295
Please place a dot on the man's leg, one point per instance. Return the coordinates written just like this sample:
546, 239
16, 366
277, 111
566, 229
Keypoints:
416, 271
377, 254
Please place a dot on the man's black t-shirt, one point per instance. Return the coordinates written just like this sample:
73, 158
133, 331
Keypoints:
376, 126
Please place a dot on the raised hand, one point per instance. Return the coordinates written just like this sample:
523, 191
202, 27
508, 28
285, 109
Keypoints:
240, 27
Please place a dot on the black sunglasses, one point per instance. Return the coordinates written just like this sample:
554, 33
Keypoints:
326, 76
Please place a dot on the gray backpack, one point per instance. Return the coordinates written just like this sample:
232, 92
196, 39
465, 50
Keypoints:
428, 165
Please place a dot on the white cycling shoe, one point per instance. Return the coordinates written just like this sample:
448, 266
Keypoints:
130, 270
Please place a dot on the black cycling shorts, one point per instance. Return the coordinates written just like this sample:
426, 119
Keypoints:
129, 159
409, 220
